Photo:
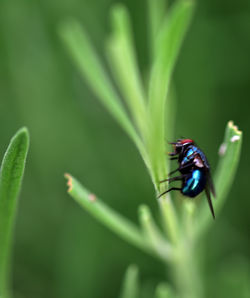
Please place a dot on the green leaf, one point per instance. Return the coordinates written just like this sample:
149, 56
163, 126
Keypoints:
11, 175
110, 218
169, 41
156, 14
224, 176
130, 287
123, 62
93, 71
164, 290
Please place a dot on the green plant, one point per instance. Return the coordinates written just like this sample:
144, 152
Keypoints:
148, 123
12, 169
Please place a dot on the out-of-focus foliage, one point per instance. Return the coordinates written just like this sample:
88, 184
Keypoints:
61, 251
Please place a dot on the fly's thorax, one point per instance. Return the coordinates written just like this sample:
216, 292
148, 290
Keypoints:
194, 154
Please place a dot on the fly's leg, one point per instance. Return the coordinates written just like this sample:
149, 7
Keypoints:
172, 188
173, 158
177, 178
185, 166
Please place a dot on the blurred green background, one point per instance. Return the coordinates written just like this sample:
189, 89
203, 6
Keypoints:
60, 251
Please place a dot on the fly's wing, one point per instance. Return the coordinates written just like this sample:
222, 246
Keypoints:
207, 189
210, 184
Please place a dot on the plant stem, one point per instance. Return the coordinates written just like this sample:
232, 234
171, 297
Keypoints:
169, 217
161, 246
186, 271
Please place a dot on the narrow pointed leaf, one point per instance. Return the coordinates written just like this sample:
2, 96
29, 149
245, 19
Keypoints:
122, 57
163, 290
168, 46
104, 214
156, 14
130, 287
88, 62
11, 175
224, 176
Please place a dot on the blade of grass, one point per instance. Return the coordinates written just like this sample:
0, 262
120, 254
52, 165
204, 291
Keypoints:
154, 235
11, 175
89, 64
123, 62
110, 218
130, 287
168, 45
225, 173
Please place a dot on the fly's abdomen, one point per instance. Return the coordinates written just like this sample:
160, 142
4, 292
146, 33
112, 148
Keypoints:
194, 183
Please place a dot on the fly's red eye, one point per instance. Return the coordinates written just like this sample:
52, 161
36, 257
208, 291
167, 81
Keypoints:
186, 141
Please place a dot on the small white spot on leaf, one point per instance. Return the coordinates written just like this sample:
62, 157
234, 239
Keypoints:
235, 138
222, 149
92, 197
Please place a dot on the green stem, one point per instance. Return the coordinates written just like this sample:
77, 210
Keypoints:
169, 217
186, 272
161, 246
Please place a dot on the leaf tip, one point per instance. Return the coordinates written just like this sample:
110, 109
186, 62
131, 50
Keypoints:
69, 181
164, 290
133, 268
23, 132
132, 272
118, 9
144, 212
234, 127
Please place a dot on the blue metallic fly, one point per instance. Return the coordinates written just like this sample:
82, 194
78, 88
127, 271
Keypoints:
195, 171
